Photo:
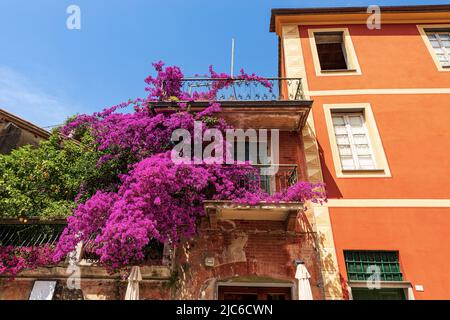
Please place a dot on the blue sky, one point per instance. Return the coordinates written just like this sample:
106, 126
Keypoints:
48, 72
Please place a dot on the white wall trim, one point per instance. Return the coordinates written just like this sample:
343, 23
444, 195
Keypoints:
318, 93
388, 203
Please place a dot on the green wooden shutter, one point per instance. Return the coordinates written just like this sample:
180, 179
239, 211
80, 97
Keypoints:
358, 265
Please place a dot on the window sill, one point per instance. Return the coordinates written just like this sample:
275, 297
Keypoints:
383, 284
338, 70
363, 173
362, 170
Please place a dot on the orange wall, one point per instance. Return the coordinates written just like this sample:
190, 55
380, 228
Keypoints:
393, 57
414, 128
415, 134
421, 235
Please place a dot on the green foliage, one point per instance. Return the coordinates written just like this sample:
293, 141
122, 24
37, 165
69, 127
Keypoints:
44, 181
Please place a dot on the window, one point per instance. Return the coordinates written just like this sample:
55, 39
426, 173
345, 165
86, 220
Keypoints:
437, 40
440, 42
354, 148
331, 50
257, 153
360, 265
364, 267
355, 142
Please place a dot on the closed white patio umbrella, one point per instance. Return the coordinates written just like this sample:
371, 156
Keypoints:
304, 286
133, 284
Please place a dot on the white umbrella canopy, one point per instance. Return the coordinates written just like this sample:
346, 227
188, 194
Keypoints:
133, 284
304, 286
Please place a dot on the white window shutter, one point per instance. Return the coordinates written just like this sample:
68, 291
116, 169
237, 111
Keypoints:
440, 41
353, 142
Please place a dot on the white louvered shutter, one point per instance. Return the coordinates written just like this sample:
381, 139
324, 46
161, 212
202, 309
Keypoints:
352, 141
440, 41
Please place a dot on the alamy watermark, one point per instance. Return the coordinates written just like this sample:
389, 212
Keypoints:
374, 20
73, 21
74, 270
374, 280
237, 147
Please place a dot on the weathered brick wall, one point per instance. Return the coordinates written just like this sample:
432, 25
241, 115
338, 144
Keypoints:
254, 251
251, 251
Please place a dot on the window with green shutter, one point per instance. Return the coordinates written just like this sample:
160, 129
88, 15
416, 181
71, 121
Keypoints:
360, 265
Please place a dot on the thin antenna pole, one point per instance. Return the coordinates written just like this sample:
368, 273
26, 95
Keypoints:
232, 58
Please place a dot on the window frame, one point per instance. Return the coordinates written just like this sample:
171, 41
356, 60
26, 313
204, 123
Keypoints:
424, 34
381, 169
353, 67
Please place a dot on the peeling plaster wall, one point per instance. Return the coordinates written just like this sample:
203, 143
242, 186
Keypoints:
254, 251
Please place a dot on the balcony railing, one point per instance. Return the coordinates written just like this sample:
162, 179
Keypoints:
285, 176
238, 89
29, 235
153, 252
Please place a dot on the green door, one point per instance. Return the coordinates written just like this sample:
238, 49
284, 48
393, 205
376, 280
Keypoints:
378, 294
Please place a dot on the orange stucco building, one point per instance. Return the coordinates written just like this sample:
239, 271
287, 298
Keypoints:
378, 136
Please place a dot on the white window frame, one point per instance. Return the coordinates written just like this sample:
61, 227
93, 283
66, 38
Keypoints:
348, 126
380, 160
424, 34
353, 68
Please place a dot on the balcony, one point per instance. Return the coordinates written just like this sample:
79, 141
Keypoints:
285, 177
36, 232
30, 234
238, 89
247, 103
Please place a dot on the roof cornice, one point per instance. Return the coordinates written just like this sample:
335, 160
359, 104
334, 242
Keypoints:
357, 14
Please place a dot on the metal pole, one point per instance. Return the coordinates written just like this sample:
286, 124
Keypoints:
232, 58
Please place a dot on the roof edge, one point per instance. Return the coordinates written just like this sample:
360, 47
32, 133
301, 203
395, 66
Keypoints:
24, 124
350, 10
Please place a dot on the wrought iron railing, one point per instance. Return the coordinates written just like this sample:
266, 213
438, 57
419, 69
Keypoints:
153, 252
286, 175
272, 179
238, 89
29, 235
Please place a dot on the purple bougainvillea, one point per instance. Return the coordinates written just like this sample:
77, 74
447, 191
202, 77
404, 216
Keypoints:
155, 198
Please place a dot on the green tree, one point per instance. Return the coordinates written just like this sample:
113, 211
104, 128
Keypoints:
45, 181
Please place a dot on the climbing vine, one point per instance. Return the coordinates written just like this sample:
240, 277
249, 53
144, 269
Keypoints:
148, 196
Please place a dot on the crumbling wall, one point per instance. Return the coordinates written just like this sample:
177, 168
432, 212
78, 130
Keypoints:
251, 251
